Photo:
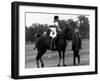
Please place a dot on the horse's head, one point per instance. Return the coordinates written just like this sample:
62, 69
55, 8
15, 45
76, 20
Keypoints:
68, 32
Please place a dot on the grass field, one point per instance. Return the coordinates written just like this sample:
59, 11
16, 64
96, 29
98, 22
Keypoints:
50, 58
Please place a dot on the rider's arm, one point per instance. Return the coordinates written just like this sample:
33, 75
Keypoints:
57, 26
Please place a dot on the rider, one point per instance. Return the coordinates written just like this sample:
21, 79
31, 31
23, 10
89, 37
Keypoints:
54, 29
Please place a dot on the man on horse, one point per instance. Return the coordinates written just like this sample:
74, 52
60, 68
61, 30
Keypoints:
54, 31
53, 36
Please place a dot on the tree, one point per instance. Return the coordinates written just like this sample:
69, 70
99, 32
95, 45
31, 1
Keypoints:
84, 26
83, 19
27, 34
72, 24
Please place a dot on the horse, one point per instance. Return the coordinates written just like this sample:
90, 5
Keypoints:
44, 42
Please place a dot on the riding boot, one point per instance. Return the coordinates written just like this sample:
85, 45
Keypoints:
54, 40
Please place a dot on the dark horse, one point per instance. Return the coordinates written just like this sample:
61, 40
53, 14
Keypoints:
43, 44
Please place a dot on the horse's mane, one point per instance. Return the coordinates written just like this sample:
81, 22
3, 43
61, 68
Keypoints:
66, 29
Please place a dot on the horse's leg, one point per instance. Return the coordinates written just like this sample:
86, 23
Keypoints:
41, 54
42, 64
37, 61
63, 57
59, 57
38, 57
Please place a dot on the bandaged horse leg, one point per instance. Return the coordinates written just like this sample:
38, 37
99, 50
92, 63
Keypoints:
42, 64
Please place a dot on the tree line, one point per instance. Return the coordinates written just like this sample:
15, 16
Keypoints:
40, 28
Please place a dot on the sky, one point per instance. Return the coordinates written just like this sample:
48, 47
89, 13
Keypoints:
46, 18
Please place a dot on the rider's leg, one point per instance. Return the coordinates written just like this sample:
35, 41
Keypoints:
51, 44
54, 40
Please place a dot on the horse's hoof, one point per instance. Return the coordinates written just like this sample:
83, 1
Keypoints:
64, 65
42, 66
58, 65
37, 66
